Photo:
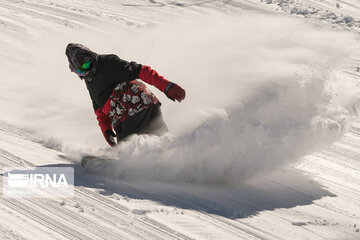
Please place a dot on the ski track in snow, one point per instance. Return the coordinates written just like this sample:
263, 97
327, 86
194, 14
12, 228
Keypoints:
317, 198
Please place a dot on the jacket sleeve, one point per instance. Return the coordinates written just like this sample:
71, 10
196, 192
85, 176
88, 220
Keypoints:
94, 103
103, 120
150, 76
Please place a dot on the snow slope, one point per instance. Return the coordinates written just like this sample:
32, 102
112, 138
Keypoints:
286, 89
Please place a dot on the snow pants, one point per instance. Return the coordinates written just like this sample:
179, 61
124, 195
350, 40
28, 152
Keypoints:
148, 121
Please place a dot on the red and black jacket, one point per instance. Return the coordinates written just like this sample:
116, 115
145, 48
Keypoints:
116, 94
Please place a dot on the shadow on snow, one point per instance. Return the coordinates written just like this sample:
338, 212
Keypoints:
286, 189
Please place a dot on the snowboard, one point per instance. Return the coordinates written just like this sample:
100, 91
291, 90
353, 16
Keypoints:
90, 161
101, 165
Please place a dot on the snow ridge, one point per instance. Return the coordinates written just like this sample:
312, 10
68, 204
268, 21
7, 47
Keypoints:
313, 11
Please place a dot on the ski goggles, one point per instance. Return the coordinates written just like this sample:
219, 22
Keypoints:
83, 70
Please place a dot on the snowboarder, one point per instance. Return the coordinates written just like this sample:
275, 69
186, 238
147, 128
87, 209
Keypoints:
121, 102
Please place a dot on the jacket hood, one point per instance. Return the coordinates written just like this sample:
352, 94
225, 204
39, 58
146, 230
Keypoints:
77, 55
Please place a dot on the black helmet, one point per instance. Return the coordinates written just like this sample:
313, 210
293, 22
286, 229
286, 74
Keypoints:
78, 55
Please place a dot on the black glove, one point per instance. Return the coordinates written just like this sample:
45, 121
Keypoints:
110, 137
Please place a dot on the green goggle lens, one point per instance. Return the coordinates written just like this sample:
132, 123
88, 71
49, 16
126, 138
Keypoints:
83, 69
85, 66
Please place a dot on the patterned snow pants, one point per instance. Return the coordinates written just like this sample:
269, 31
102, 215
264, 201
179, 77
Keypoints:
135, 109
